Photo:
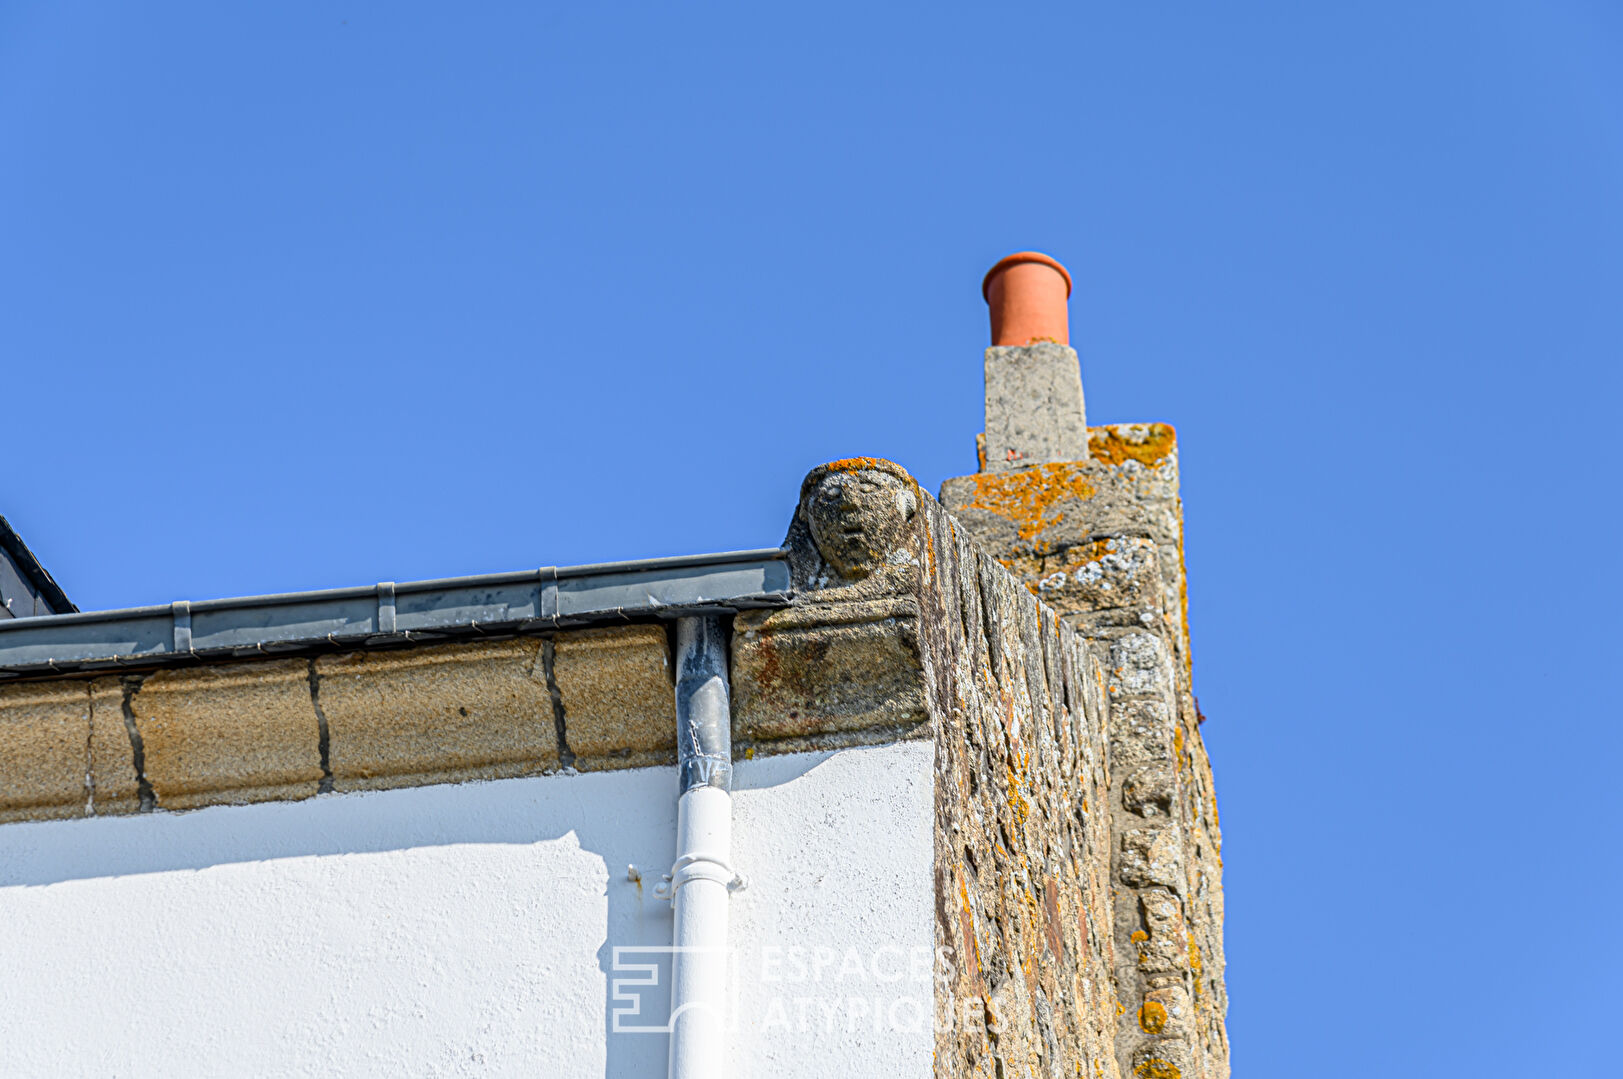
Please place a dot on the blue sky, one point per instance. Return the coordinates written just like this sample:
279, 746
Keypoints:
307, 295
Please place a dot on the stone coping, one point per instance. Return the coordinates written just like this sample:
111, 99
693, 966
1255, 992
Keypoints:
290, 728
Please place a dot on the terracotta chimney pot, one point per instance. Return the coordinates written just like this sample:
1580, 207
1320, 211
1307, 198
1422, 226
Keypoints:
1027, 294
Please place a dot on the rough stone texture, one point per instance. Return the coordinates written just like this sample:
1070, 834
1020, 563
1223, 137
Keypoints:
438, 714
242, 732
619, 703
847, 669
1015, 705
255, 730
44, 750
1078, 883
1023, 837
1101, 541
800, 674
1034, 407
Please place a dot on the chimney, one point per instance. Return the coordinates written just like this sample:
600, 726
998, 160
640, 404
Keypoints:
1034, 408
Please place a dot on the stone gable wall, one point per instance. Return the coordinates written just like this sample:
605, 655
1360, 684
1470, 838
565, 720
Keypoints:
1101, 543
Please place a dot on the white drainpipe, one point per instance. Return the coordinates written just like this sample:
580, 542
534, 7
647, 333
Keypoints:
701, 878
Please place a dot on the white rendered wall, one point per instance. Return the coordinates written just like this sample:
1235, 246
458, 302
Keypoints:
469, 930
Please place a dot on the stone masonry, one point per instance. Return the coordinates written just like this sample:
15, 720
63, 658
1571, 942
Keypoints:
1079, 906
1015, 705
1100, 541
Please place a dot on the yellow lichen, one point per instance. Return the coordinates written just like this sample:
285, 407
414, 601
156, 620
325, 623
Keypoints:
1016, 769
1018, 804
1030, 497
869, 464
860, 464
967, 921
1156, 1068
1152, 1016
1148, 444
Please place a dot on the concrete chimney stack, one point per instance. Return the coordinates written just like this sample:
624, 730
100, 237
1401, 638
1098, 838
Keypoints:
1034, 405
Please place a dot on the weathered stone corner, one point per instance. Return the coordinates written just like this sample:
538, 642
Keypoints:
903, 626
854, 533
1100, 541
843, 666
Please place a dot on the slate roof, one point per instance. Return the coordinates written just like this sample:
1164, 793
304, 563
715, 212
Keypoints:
26, 589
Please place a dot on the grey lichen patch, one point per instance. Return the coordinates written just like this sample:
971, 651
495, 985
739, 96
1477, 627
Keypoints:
1152, 856
1162, 944
1138, 666
1150, 790
1112, 573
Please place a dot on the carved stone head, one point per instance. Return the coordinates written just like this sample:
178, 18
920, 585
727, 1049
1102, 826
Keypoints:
858, 512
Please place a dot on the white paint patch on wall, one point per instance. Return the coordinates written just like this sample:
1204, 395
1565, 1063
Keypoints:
833, 938
457, 930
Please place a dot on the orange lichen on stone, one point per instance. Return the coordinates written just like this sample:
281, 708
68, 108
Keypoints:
1017, 803
867, 464
1152, 1016
860, 464
972, 948
1156, 1068
1148, 443
1030, 497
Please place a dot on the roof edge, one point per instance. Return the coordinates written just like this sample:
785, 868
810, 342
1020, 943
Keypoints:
389, 614
30, 566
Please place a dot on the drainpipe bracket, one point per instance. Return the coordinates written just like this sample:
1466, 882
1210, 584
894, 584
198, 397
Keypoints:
694, 867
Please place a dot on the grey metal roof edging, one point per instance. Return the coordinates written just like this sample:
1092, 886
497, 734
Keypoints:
390, 614
37, 574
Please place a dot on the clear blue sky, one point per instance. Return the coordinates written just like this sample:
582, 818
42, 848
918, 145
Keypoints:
305, 295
